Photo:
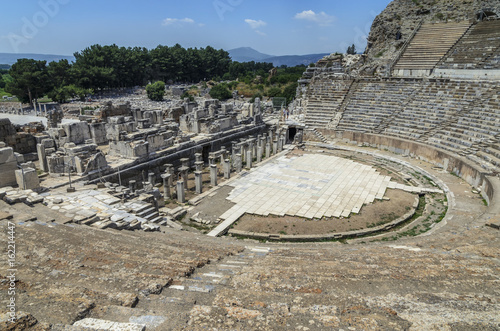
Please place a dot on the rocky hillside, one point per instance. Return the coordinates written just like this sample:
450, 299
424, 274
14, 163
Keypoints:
396, 23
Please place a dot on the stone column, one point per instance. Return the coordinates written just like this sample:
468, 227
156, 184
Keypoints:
180, 192
151, 178
213, 175
271, 132
275, 147
211, 160
259, 154
184, 174
268, 150
185, 162
238, 163
243, 152
198, 182
199, 165
223, 154
166, 187
227, 169
42, 156
170, 179
249, 159
169, 168
234, 148
198, 157
250, 149
249, 146
131, 185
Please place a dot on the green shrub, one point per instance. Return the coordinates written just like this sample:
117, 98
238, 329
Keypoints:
220, 92
156, 91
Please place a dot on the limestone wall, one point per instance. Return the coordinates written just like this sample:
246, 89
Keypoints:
482, 74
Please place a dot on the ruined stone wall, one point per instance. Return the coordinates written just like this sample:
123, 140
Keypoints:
173, 154
21, 142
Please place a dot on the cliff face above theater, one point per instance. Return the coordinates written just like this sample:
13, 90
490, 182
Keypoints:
396, 23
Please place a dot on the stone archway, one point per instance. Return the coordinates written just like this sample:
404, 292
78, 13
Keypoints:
487, 14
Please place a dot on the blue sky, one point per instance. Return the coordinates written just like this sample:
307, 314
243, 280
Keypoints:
276, 27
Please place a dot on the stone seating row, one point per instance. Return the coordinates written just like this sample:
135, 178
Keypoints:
443, 113
475, 48
323, 98
430, 44
373, 102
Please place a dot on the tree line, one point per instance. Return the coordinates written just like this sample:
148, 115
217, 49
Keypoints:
103, 67
97, 68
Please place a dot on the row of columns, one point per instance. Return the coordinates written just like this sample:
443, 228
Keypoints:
243, 152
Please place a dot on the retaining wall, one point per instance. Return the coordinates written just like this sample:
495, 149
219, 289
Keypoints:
329, 236
460, 166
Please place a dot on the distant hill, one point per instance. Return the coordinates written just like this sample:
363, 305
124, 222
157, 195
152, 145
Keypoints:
295, 60
11, 58
247, 54
242, 54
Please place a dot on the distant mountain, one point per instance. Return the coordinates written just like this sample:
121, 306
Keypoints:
11, 58
247, 54
295, 60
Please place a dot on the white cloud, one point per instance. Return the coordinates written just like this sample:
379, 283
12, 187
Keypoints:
170, 21
322, 18
260, 32
255, 24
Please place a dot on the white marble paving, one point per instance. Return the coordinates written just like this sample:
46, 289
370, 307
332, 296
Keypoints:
310, 186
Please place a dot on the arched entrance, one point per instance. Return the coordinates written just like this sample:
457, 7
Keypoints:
486, 14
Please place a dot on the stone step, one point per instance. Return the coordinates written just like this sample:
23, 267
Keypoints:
152, 216
146, 211
156, 219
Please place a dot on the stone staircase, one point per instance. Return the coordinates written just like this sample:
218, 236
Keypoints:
145, 210
319, 135
171, 309
478, 49
430, 44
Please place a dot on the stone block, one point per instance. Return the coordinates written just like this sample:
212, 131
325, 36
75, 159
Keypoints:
77, 132
27, 179
96, 324
48, 143
8, 166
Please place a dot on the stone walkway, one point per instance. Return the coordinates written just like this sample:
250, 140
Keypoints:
310, 186
83, 205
